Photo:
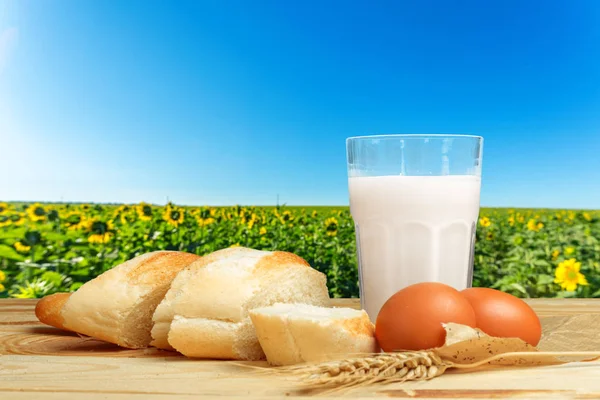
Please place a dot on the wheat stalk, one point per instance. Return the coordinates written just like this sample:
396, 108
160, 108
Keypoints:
359, 371
385, 367
395, 367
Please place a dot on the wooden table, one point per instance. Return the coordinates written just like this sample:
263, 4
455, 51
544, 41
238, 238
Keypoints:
40, 362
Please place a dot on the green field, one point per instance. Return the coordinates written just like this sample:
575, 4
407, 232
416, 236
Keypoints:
46, 248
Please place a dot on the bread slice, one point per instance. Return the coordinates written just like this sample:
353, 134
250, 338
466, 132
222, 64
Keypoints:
297, 333
48, 309
117, 306
205, 312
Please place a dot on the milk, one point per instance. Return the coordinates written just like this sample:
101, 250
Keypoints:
412, 229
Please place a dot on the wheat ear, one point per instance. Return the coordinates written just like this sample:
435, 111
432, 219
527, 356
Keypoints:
385, 367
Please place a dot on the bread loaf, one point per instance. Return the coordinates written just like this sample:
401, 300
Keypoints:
48, 309
205, 313
298, 333
117, 306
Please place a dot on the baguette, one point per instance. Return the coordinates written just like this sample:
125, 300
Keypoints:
299, 333
48, 309
117, 306
205, 313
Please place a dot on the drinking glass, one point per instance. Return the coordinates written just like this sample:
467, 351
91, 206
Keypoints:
415, 204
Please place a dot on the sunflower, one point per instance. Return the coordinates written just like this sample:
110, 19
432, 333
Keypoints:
485, 222
203, 213
489, 236
567, 275
555, 254
124, 213
569, 250
128, 217
3, 207
204, 221
174, 215
100, 231
331, 226
253, 219
122, 209
586, 215
100, 238
262, 231
5, 220
558, 216
16, 219
314, 213
144, 211
32, 238
37, 212
22, 248
534, 226
285, 216
75, 221
85, 207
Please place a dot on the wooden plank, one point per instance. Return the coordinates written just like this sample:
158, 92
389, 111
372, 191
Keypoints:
180, 377
39, 362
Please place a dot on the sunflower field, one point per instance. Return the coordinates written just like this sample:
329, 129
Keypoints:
48, 248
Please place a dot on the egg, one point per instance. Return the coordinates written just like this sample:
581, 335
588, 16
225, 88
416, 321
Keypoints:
504, 315
412, 318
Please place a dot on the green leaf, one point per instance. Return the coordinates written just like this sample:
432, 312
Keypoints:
80, 272
10, 253
565, 295
519, 288
52, 277
544, 279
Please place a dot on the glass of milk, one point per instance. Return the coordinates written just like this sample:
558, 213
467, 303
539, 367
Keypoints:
415, 203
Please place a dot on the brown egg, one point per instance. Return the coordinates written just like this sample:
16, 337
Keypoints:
504, 315
412, 318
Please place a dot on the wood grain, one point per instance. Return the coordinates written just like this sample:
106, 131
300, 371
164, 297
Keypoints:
40, 362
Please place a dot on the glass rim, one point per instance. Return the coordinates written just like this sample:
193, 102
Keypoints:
415, 136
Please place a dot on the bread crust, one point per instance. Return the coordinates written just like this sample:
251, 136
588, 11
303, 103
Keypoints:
48, 310
210, 300
106, 306
278, 258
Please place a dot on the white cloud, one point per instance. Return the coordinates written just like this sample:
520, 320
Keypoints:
8, 43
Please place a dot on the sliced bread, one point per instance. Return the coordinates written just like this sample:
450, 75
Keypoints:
205, 312
298, 333
117, 306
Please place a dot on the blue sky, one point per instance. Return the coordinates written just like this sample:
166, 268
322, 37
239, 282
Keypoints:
236, 102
